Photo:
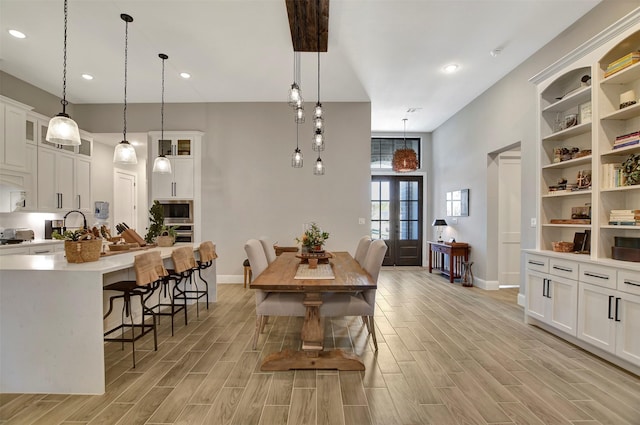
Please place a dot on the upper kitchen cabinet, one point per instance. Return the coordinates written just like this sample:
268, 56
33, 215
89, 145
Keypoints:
13, 154
181, 148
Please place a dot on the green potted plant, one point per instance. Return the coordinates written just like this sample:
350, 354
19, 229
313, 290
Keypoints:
313, 238
158, 232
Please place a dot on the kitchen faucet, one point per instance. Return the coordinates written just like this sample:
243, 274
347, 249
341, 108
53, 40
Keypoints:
64, 224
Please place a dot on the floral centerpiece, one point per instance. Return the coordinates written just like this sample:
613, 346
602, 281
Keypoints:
80, 246
313, 238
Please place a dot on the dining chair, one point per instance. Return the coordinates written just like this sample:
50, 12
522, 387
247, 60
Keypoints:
269, 249
149, 273
361, 303
362, 249
270, 303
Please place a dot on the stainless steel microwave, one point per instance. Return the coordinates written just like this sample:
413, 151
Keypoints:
176, 212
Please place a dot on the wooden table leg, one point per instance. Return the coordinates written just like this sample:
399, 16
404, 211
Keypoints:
451, 269
312, 356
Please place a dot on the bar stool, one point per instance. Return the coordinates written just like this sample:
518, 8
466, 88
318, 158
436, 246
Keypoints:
207, 253
149, 273
182, 270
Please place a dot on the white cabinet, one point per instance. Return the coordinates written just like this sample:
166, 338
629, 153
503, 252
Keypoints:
23, 250
82, 178
178, 184
552, 298
55, 180
12, 135
610, 320
181, 148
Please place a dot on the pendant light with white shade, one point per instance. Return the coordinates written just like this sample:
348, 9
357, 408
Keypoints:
161, 164
62, 129
124, 152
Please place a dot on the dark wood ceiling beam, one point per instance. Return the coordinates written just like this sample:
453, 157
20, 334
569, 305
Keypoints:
304, 13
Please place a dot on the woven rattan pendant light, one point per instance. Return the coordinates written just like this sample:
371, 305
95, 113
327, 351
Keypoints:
405, 159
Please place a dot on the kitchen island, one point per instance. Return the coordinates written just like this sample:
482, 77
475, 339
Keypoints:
51, 320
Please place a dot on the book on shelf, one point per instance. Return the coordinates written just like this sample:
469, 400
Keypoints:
622, 63
625, 144
633, 135
612, 176
624, 223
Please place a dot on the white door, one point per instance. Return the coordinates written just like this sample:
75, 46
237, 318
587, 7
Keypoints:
627, 316
563, 304
595, 316
536, 295
509, 219
124, 199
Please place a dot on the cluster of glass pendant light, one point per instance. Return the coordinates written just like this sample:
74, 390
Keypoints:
296, 102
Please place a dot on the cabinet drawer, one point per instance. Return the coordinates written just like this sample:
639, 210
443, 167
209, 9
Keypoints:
629, 282
598, 275
538, 263
562, 268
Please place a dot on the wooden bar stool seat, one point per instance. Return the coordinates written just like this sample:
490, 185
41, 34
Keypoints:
149, 273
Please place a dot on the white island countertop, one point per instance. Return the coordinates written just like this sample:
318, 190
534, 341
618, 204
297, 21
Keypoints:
57, 261
51, 311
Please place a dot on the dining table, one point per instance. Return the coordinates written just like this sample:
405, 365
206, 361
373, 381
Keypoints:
290, 273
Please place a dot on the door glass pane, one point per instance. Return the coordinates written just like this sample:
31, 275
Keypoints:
375, 210
184, 147
404, 230
164, 147
413, 210
403, 211
384, 229
375, 191
385, 193
384, 210
375, 230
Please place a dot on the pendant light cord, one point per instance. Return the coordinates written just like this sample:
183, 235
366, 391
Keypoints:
162, 104
318, 45
405, 132
64, 64
126, 50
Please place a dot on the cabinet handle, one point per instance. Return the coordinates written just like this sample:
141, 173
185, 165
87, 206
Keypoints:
628, 282
617, 319
544, 287
609, 316
79, 203
59, 199
549, 288
536, 263
41, 252
563, 269
599, 276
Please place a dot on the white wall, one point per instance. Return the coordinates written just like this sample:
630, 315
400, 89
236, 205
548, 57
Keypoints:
502, 116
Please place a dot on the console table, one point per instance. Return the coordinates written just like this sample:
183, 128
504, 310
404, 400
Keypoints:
457, 252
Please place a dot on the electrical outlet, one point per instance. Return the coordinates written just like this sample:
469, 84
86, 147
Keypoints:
534, 222
361, 220
454, 221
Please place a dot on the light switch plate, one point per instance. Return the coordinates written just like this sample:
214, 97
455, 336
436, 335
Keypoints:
534, 222
361, 220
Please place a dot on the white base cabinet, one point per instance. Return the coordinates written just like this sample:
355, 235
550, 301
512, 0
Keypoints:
551, 298
588, 302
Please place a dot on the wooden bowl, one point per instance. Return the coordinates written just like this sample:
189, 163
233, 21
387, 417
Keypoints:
119, 247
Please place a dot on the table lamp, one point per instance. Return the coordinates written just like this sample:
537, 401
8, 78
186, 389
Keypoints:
438, 223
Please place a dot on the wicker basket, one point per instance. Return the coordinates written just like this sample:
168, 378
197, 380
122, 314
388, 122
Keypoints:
82, 251
562, 246
165, 240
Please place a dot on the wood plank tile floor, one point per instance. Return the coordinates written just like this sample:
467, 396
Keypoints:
447, 355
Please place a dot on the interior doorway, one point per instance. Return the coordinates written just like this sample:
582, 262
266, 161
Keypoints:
396, 217
124, 199
509, 213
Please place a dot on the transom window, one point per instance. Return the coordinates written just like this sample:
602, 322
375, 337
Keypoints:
382, 149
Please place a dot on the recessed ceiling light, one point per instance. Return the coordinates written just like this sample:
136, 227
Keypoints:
451, 68
17, 34
87, 76
495, 52
185, 75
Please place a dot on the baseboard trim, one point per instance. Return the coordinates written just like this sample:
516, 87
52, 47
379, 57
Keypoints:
522, 300
230, 278
487, 285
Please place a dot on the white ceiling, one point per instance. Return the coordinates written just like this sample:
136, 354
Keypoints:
389, 52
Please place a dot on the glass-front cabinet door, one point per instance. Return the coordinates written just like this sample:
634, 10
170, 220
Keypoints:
181, 147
